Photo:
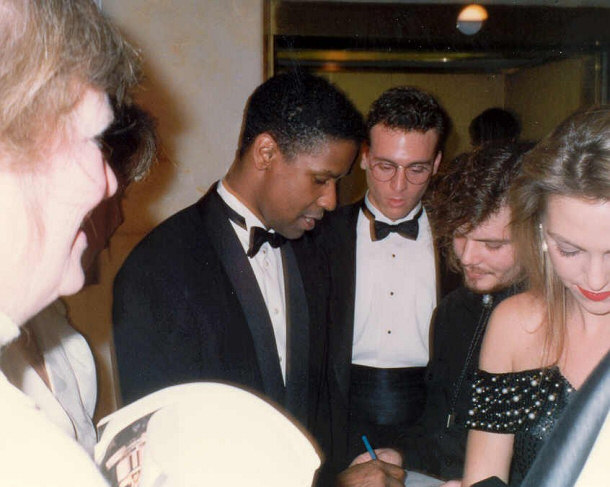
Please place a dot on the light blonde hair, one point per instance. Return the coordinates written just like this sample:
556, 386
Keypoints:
574, 161
50, 52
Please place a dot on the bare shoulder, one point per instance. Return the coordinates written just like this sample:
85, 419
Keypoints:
524, 311
514, 334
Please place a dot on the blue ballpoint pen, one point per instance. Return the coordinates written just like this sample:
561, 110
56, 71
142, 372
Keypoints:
365, 440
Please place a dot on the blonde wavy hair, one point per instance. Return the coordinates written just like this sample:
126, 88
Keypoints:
50, 52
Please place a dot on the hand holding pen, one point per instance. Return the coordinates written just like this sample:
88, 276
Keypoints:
374, 468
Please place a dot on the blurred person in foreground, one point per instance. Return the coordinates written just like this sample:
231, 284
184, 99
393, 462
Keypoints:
51, 362
59, 61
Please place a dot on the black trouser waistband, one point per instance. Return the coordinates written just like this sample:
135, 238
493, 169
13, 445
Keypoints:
387, 396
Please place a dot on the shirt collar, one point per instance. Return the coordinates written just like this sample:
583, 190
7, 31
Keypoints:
233, 202
8, 329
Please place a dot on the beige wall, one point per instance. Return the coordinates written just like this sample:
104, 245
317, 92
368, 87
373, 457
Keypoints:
202, 60
464, 96
545, 95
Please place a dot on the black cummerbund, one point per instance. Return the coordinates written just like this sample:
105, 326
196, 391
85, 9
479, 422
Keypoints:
387, 396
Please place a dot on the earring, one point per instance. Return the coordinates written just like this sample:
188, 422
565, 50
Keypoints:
543, 244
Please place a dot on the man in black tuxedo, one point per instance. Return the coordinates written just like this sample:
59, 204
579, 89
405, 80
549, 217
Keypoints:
383, 276
230, 289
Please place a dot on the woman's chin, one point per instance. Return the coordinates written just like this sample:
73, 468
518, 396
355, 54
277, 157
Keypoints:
73, 278
72, 282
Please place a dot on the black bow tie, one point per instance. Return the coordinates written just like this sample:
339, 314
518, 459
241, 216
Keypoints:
258, 236
408, 229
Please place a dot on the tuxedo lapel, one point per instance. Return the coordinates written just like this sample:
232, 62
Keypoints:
297, 326
343, 278
240, 273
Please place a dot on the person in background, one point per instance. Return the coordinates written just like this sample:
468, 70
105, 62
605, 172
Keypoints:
470, 216
51, 362
59, 60
383, 276
495, 126
541, 345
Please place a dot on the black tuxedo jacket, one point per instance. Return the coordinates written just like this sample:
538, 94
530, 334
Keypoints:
187, 307
337, 237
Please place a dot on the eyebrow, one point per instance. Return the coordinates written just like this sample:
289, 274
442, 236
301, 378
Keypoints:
413, 163
559, 239
484, 240
492, 240
328, 174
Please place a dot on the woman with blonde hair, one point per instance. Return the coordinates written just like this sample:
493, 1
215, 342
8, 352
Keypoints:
542, 345
60, 62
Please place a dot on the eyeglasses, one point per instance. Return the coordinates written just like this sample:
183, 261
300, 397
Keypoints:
417, 173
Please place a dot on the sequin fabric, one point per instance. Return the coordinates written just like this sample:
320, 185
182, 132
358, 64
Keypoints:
526, 404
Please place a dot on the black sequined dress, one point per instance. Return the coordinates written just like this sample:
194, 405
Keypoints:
526, 404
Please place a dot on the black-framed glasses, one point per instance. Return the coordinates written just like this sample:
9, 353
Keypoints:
418, 173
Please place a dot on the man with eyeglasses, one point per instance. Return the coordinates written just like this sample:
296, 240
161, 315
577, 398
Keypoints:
383, 272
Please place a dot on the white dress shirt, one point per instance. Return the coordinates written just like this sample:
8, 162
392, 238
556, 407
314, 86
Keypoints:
395, 294
34, 451
268, 270
68, 361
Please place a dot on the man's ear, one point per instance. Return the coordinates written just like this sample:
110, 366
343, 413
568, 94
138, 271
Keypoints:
264, 150
364, 156
437, 162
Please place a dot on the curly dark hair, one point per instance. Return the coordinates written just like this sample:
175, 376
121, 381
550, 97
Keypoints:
407, 108
470, 189
300, 110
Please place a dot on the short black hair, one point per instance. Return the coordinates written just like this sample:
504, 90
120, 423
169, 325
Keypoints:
300, 110
494, 125
409, 109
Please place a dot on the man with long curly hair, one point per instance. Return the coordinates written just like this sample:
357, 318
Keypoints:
470, 216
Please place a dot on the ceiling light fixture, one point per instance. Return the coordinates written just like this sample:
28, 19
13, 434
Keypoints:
471, 19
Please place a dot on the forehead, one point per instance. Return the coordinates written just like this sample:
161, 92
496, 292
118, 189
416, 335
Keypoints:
403, 144
583, 222
92, 114
496, 227
333, 157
